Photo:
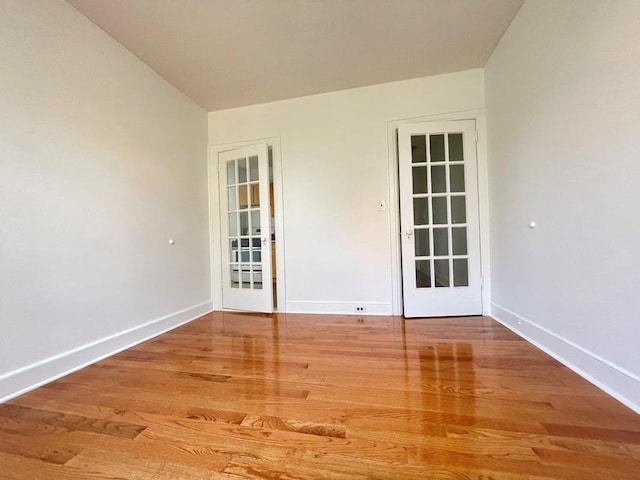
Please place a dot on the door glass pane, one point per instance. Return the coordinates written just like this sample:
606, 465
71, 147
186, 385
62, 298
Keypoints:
257, 278
233, 250
438, 179
256, 255
459, 240
244, 223
255, 194
243, 197
441, 241
421, 239
455, 147
255, 222
419, 179
423, 273
436, 145
233, 224
458, 210
235, 276
456, 173
439, 210
441, 272
256, 246
246, 276
232, 198
420, 211
244, 255
242, 170
418, 149
244, 243
253, 169
460, 272
231, 172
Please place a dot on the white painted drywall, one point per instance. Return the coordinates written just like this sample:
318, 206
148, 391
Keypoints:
101, 163
334, 171
563, 107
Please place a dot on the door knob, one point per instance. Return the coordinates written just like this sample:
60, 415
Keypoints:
264, 240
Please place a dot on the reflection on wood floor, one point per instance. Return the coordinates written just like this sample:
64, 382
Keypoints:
238, 396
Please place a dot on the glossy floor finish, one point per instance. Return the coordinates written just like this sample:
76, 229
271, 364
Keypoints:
232, 396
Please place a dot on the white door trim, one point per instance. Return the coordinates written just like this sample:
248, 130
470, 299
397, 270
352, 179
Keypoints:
483, 201
215, 226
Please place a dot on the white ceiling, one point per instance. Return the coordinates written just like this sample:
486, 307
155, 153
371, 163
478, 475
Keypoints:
230, 53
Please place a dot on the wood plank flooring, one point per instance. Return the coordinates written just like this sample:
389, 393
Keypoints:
240, 396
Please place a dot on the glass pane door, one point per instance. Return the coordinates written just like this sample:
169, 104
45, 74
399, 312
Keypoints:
439, 219
245, 231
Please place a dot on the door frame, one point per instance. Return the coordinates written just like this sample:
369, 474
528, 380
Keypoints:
214, 218
479, 115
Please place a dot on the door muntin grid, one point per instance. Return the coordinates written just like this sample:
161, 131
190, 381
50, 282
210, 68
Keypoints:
439, 210
245, 231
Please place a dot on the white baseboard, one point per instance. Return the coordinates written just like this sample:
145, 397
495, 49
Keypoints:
338, 308
618, 382
22, 380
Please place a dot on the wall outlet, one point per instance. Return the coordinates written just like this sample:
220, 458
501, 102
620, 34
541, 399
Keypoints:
361, 309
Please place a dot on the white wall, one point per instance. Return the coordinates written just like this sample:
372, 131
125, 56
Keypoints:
101, 162
563, 113
338, 249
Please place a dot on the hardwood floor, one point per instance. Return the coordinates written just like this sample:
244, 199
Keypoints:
237, 396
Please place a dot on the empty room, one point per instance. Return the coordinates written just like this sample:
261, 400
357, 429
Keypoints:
319, 239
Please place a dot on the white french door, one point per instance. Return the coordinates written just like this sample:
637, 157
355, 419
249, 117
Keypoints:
439, 219
245, 229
